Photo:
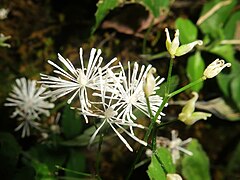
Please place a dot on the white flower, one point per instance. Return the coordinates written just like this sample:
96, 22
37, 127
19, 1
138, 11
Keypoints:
173, 46
131, 93
28, 103
176, 145
77, 81
108, 110
3, 13
215, 68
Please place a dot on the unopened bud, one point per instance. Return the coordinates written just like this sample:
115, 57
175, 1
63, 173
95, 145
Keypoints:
215, 68
149, 83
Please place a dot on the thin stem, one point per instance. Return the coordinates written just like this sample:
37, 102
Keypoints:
169, 77
153, 119
186, 87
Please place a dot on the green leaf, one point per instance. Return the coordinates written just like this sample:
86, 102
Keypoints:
166, 158
213, 24
71, 123
225, 51
155, 5
76, 162
155, 171
103, 8
224, 83
173, 85
196, 167
235, 89
231, 26
161, 163
195, 68
188, 30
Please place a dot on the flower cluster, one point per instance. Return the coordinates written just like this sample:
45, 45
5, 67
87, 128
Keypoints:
29, 104
106, 92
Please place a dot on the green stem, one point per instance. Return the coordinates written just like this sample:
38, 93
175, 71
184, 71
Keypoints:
186, 87
169, 77
153, 119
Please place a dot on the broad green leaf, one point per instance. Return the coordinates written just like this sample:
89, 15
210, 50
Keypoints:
195, 68
155, 171
231, 25
173, 85
49, 156
71, 122
224, 83
155, 5
235, 89
188, 30
214, 23
166, 158
76, 162
196, 167
103, 8
162, 158
233, 165
225, 51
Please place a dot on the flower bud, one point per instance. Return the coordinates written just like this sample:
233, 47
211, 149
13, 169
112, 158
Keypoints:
149, 83
174, 177
215, 68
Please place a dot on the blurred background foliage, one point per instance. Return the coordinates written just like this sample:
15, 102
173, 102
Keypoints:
131, 30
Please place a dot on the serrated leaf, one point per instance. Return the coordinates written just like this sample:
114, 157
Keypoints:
76, 162
188, 30
103, 8
71, 122
231, 26
42, 171
196, 167
195, 68
155, 5
214, 23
